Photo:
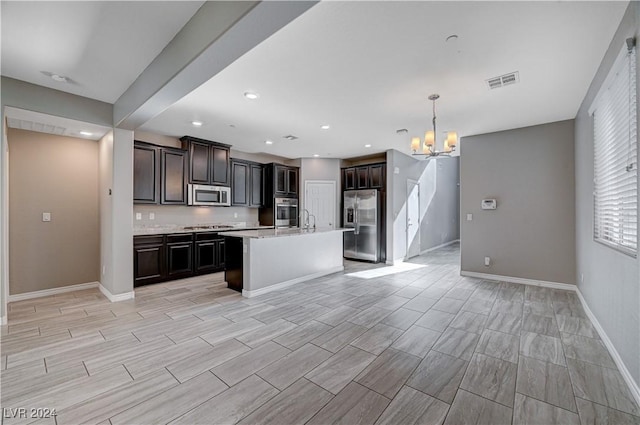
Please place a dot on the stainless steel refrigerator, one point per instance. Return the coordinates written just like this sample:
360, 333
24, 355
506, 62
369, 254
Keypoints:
362, 213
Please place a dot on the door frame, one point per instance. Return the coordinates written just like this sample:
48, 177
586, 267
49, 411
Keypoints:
335, 194
410, 184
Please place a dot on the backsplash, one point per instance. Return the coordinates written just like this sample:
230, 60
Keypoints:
183, 215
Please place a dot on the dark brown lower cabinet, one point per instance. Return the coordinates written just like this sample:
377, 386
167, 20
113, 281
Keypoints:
179, 256
233, 273
159, 258
149, 261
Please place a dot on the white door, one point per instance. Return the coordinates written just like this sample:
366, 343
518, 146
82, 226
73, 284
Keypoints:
320, 201
413, 218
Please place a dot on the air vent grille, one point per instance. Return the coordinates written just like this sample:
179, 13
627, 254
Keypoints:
290, 137
503, 80
35, 126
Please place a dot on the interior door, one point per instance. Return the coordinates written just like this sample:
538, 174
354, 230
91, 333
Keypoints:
413, 218
320, 201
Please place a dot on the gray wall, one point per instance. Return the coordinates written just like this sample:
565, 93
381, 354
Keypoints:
608, 280
529, 171
54, 174
439, 201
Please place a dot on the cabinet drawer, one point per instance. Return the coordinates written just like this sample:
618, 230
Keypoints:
148, 240
186, 237
208, 236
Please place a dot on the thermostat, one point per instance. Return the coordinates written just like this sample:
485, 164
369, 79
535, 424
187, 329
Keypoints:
489, 204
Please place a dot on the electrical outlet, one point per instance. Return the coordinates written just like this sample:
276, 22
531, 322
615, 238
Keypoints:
469, 217
487, 261
138, 216
581, 277
152, 216
245, 248
46, 216
104, 270
235, 215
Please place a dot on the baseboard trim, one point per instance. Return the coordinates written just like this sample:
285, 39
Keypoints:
285, 284
520, 280
439, 246
631, 383
118, 297
52, 291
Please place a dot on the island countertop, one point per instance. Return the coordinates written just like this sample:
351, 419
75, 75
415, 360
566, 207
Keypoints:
282, 232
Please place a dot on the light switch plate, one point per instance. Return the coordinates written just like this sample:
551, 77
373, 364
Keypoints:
46, 216
138, 216
152, 216
469, 217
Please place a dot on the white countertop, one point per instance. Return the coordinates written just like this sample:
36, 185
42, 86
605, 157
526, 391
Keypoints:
167, 229
276, 233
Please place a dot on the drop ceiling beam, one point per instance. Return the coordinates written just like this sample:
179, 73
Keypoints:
217, 35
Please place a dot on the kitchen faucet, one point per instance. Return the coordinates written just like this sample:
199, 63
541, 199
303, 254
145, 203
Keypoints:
306, 222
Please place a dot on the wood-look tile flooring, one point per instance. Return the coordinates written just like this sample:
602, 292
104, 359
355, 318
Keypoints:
424, 346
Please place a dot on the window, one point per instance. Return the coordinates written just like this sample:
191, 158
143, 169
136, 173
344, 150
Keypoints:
616, 157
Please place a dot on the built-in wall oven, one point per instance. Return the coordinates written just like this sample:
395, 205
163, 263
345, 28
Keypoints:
212, 196
286, 212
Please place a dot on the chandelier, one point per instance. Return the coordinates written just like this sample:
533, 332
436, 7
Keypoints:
429, 144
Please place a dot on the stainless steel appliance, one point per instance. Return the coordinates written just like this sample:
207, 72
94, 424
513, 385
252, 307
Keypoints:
286, 212
212, 196
362, 213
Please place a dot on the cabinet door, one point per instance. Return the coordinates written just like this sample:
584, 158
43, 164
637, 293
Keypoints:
174, 177
148, 263
256, 186
292, 181
348, 179
240, 184
220, 165
280, 180
362, 177
200, 170
179, 259
145, 175
206, 256
221, 248
377, 176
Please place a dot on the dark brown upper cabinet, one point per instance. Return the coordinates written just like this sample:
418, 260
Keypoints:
348, 179
209, 162
247, 183
173, 182
285, 181
364, 177
377, 178
146, 173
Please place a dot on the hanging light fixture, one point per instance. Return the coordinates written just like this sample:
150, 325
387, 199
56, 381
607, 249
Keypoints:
428, 146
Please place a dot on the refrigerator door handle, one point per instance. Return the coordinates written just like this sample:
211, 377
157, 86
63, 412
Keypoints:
356, 221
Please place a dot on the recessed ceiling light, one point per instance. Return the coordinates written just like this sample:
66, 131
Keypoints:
196, 123
268, 142
315, 155
59, 78
251, 95
86, 133
367, 145
325, 127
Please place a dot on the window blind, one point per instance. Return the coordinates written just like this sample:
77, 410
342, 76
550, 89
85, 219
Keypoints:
616, 157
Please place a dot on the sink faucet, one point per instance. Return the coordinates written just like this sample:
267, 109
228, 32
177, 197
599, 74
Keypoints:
306, 222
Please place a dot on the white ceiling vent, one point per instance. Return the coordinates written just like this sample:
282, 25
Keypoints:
35, 126
503, 80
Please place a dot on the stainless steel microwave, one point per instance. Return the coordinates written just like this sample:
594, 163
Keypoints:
210, 196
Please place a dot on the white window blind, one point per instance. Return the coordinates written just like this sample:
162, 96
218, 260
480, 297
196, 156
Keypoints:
616, 157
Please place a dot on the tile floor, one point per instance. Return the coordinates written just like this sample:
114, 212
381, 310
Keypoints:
423, 346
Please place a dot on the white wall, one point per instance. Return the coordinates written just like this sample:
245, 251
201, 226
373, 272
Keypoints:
608, 280
439, 200
321, 169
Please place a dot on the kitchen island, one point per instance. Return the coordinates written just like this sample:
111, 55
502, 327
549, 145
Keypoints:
276, 258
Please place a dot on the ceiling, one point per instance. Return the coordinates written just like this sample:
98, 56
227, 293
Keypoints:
101, 46
364, 68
